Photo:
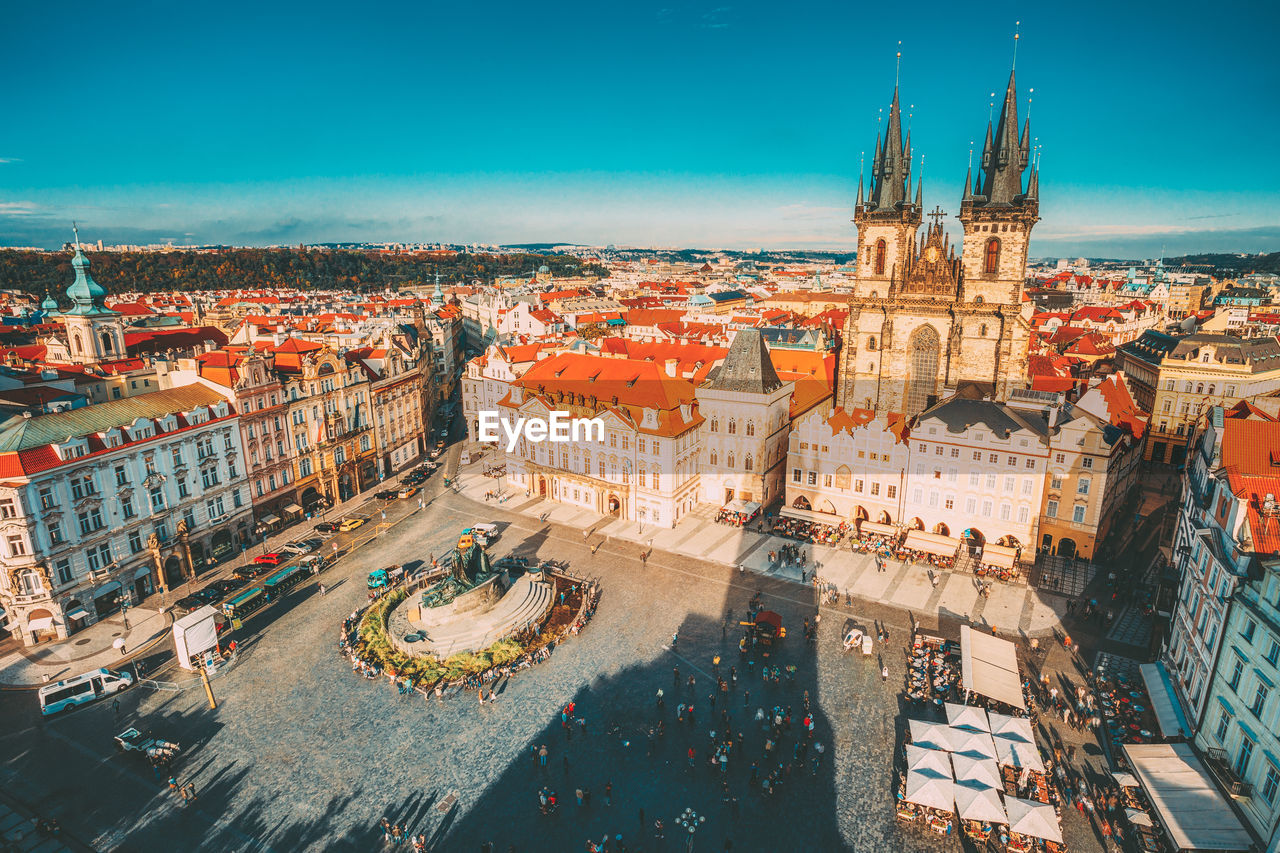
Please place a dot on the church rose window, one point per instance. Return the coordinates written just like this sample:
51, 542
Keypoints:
993, 256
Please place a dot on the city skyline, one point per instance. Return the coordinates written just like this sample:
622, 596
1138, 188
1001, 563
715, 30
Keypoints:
708, 126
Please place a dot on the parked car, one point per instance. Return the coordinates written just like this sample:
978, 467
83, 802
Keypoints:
408, 491
132, 740
386, 495
349, 524
326, 527
207, 595
272, 559
298, 547
188, 603
247, 571
312, 544
224, 587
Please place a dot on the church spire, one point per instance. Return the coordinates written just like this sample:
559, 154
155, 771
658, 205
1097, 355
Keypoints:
1006, 156
890, 168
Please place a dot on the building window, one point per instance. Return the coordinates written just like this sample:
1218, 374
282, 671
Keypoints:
46, 498
90, 521
1270, 784
135, 541
1051, 509
17, 547
891, 491
749, 464
1082, 486
950, 503
1273, 653
157, 499
65, 575
1224, 723
813, 478
1087, 462
126, 508
1237, 670
1249, 627
875, 488
880, 253
82, 487
795, 475
992, 261
1077, 514
751, 428
1243, 757
715, 459
1260, 700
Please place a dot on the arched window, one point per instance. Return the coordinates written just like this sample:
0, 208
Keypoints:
993, 256
1200, 388
871, 344
715, 459
730, 459
733, 428
982, 330
75, 339
106, 342
749, 463
715, 425
880, 251
1210, 389
751, 426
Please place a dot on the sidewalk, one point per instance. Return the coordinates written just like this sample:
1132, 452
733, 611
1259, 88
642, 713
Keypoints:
1011, 608
18, 829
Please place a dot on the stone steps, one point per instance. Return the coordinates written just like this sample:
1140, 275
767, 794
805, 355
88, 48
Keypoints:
525, 601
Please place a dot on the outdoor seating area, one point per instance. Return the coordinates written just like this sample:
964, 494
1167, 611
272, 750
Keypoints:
874, 538
738, 513
933, 671
1171, 802
983, 771
1126, 711
810, 531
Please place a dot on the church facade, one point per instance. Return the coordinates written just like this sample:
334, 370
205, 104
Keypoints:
929, 320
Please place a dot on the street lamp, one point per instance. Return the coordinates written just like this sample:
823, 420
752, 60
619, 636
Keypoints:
261, 530
690, 820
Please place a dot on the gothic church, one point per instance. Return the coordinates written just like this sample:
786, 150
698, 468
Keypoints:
925, 323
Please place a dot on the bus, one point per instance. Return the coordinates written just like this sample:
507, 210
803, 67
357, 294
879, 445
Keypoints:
81, 689
285, 580
244, 603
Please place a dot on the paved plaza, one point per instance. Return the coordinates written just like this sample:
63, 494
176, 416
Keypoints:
303, 754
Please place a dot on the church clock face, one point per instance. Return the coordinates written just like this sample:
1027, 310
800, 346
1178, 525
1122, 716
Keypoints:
931, 254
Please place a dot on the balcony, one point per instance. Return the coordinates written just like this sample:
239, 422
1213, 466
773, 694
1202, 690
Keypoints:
1220, 766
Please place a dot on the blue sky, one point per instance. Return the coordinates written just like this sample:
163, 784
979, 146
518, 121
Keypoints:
698, 124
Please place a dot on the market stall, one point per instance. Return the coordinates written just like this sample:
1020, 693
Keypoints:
1195, 814
929, 735
1030, 819
738, 512
967, 717
989, 666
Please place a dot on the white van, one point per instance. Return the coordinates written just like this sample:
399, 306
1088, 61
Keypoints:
484, 533
81, 689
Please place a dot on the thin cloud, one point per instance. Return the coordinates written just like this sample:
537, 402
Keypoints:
4, 160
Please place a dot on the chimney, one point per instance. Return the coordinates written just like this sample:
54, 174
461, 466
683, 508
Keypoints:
673, 365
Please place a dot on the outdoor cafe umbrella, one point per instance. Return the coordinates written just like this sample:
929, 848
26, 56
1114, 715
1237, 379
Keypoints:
1124, 780
1138, 817
931, 762
977, 771
972, 744
1011, 728
930, 735
1019, 755
1027, 817
926, 789
978, 802
968, 717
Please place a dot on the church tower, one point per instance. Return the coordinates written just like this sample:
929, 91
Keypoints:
887, 219
94, 332
998, 213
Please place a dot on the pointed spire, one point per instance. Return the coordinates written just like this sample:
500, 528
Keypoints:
920, 192
968, 177
1033, 184
859, 202
890, 172
1005, 158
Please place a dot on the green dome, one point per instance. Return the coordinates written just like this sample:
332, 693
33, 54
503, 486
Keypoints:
86, 295
49, 303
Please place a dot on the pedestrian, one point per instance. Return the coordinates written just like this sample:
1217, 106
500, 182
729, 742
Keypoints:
542, 755
675, 676
884, 674
746, 698
386, 830
173, 784
578, 793
321, 587
190, 792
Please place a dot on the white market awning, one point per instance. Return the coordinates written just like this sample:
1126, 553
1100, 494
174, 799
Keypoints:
744, 507
1016, 754
1138, 817
270, 519
932, 762
976, 771
811, 516
978, 802
930, 735
989, 665
1000, 556
44, 623
968, 717
1124, 780
1196, 815
292, 508
875, 528
925, 789
77, 613
932, 543
1011, 728
972, 744
1028, 817
1168, 711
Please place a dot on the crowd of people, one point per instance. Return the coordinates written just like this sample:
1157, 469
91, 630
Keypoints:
810, 531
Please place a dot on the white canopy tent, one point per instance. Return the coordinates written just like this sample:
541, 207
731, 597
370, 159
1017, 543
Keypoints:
875, 528
973, 744
1001, 556
1027, 817
989, 666
932, 762
930, 735
1017, 754
811, 516
925, 789
1196, 815
967, 717
978, 802
976, 771
1011, 728
1138, 818
1124, 780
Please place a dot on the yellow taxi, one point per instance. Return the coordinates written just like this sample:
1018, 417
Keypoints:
349, 524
